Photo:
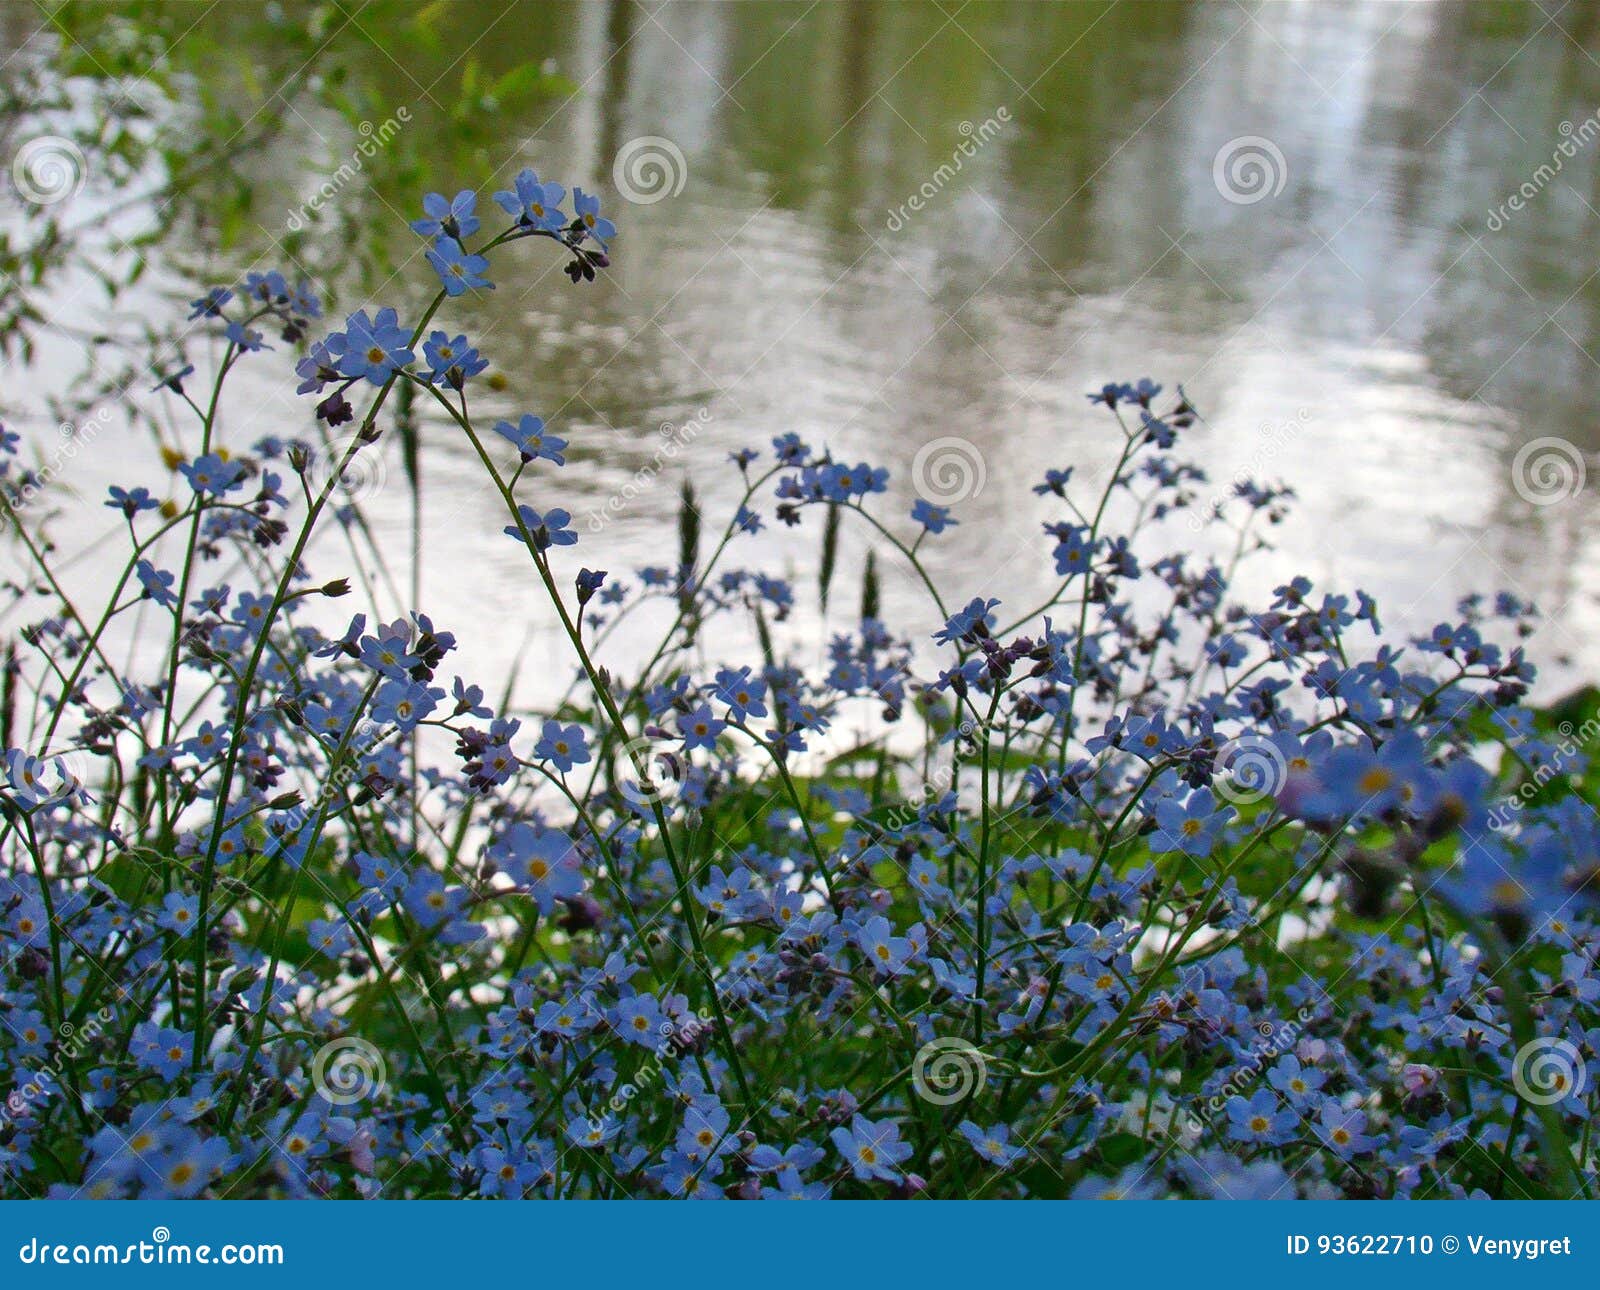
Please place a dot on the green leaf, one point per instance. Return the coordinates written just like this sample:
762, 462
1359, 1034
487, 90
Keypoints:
830, 554
869, 588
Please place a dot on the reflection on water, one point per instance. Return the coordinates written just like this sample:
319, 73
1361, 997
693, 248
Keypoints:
1360, 324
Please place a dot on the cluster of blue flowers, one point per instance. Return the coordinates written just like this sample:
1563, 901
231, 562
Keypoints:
1140, 892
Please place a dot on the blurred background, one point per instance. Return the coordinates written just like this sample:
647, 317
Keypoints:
1360, 235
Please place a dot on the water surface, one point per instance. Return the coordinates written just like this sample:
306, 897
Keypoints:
1374, 327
